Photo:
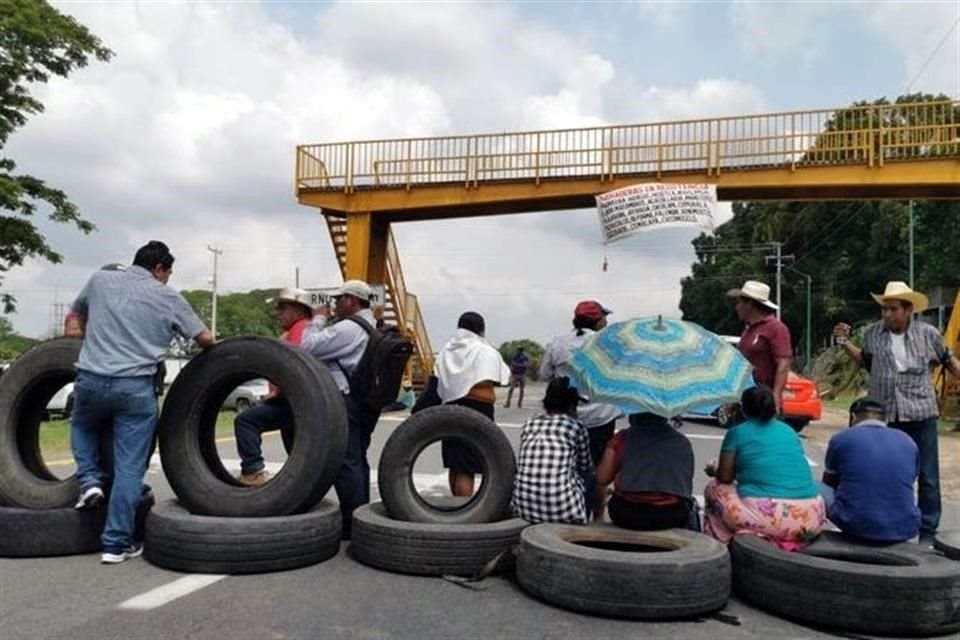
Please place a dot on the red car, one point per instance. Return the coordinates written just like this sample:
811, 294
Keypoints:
801, 401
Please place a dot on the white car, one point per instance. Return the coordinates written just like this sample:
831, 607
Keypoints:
61, 404
248, 394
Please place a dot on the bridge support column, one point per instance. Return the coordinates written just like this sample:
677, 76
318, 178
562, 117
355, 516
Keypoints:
367, 239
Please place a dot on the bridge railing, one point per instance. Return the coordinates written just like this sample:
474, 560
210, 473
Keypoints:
868, 135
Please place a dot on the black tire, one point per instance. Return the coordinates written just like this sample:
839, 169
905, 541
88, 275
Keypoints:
211, 544
242, 405
901, 589
949, 544
188, 450
34, 533
425, 549
723, 418
25, 389
797, 424
689, 577
416, 433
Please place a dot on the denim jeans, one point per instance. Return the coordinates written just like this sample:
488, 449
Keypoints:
250, 424
129, 406
924, 434
829, 495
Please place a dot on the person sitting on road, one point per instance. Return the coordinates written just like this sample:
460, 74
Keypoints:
467, 369
651, 467
293, 313
774, 496
554, 461
869, 478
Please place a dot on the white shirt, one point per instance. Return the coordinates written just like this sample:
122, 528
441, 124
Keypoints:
898, 345
554, 365
339, 346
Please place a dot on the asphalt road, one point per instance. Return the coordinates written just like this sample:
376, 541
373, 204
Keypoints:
76, 597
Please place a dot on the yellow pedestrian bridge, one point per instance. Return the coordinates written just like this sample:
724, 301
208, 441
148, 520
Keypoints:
896, 151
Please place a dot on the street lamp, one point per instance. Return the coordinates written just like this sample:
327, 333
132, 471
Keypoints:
806, 335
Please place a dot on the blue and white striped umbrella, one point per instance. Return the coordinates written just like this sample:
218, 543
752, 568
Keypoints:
661, 366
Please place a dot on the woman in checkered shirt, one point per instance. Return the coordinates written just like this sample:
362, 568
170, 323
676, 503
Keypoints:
554, 461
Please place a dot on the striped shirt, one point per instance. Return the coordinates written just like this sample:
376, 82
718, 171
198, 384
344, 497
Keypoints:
554, 458
131, 319
908, 395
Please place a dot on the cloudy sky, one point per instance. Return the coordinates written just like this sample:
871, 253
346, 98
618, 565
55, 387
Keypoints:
188, 134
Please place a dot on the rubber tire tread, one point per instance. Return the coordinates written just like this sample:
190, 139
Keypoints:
427, 549
691, 580
395, 471
181, 541
188, 450
25, 389
923, 599
948, 543
37, 533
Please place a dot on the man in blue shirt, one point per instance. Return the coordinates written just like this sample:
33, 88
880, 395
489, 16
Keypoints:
869, 476
518, 376
127, 320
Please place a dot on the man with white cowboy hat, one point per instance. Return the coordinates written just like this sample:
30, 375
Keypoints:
340, 345
293, 313
765, 341
899, 353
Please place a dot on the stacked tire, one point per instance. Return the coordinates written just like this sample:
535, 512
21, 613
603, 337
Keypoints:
454, 536
37, 517
218, 525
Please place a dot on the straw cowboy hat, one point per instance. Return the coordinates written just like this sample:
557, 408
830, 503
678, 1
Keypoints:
900, 291
755, 291
293, 295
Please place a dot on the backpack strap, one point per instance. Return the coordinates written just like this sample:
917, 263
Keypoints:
367, 328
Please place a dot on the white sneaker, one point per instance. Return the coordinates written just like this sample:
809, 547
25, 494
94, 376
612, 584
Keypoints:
132, 551
90, 498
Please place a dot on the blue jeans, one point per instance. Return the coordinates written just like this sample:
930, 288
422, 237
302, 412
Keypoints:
250, 424
829, 495
924, 434
129, 406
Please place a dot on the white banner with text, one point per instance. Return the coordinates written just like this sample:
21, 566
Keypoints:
655, 205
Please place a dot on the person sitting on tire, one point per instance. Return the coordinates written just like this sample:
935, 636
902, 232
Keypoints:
651, 467
868, 480
467, 369
554, 461
293, 313
340, 346
127, 320
763, 484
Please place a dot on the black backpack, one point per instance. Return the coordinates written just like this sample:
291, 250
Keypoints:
376, 381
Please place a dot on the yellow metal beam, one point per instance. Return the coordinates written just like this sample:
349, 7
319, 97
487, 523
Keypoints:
366, 248
919, 178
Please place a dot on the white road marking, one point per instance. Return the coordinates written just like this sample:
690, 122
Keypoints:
170, 592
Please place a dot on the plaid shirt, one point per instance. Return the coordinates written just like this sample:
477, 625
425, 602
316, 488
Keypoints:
908, 395
554, 457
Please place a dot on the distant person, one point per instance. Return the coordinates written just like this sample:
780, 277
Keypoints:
899, 354
467, 369
339, 339
554, 461
765, 341
651, 467
127, 320
292, 312
868, 478
519, 364
763, 484
589, 317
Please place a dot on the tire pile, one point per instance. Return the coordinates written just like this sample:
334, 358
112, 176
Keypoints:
218, 525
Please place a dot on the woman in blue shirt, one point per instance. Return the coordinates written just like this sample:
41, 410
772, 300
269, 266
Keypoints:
762, 483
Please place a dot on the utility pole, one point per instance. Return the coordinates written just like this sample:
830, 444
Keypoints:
780, 260
910, 210
296, 278
213, 315
807, 333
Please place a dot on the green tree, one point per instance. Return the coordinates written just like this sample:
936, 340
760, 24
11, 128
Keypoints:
238, 314
36, 42
12, 344
533, 350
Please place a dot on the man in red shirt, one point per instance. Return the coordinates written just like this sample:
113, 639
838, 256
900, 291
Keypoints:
293, 313
765, 341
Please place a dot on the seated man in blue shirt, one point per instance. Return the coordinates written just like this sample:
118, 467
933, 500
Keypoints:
869, 477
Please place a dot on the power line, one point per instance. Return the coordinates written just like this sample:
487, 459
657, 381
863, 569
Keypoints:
932, 55
829, 235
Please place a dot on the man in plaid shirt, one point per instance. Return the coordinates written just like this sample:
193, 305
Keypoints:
554, 461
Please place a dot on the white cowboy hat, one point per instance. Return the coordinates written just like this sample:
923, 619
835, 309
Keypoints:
897, 290
294, 295
755, 291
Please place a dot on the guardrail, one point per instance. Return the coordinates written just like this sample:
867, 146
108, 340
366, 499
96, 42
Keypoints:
870, 135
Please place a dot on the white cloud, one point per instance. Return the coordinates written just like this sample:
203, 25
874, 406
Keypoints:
188, 136
774, 31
